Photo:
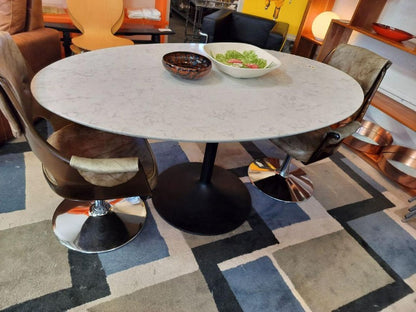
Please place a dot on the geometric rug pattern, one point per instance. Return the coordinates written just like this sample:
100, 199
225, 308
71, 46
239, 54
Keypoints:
344, 249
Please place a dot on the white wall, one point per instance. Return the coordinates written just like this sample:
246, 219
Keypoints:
400, 80
345, 8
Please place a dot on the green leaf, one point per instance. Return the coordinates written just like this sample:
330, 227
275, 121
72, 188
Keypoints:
247, 57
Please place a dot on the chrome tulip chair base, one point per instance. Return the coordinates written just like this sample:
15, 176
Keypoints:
280, 180
98, 226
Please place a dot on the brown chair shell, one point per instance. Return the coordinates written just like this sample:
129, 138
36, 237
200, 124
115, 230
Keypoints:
67, 141
368, 69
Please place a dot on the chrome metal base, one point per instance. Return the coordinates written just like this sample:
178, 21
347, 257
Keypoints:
289, 185
99, 226
411, 215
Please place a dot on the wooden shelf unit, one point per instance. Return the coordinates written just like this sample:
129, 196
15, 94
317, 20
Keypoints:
340, 31
366, 13
305, 43
395, 110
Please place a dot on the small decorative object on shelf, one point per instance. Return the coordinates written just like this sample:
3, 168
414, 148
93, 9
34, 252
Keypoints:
278, 5
399, 164
391, 32
321, 24
305, 44
365, 14
369, 138
411, 215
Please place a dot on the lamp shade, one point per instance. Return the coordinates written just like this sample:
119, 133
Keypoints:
321, 23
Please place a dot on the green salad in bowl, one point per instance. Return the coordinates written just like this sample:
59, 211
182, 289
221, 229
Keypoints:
245, 59
241, 60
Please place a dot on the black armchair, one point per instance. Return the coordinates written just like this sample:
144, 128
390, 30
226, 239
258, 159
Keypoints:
231, 26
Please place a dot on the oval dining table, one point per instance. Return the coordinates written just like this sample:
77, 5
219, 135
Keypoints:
126, 90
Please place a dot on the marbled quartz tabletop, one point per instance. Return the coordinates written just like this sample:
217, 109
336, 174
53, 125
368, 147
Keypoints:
127, 90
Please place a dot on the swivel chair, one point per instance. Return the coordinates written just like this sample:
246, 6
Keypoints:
85, 166
97, 20
231, 26
284, 181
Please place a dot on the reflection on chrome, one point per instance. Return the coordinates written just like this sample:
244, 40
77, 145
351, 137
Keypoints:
283, 182
399, 163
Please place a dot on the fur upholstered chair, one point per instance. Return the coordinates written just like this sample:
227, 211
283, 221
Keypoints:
87, 167
284, 181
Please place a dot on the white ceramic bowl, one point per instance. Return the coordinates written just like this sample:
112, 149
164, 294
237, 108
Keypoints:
215, 48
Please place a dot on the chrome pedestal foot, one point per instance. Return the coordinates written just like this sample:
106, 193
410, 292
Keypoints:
280, 179
99, 226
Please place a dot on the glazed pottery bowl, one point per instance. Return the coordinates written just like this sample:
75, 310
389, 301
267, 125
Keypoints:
391, 33
187, 65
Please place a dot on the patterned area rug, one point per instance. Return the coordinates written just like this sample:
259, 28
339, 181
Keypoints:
345, 249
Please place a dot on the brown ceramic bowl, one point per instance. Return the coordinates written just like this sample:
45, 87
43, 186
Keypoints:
391, 33
187, 65
369, 138
399, 163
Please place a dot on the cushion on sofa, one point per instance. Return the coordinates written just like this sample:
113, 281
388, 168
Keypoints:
34, 15
12, 15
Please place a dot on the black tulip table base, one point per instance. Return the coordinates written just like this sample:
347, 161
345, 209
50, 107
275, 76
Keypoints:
214, 207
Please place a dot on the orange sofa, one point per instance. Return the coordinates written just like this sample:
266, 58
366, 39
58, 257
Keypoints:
40, 46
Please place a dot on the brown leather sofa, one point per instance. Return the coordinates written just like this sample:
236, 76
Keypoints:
40, 46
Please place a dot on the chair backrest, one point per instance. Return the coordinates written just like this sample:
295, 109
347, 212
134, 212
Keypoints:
231, 26
365, 66
368, 69
15, 94
250, 29
98, 20
34, 15
114, 29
